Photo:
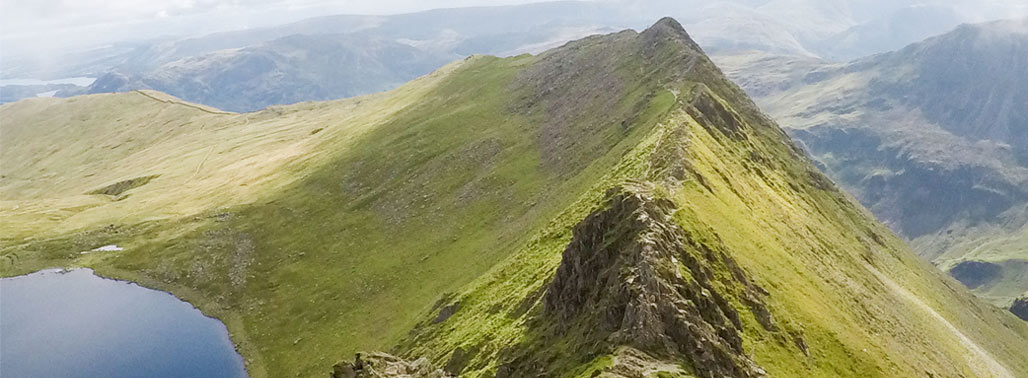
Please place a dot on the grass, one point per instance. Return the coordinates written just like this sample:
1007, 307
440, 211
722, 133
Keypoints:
808, 244
342, 243
313, 245
882, 130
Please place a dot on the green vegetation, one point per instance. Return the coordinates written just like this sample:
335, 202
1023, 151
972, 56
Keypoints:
926, 137
460, 191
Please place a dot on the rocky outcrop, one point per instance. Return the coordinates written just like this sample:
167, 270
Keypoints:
1020, 307
712, 114
632, 277
382, 365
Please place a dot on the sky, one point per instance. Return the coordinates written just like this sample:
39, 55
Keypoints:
39, 26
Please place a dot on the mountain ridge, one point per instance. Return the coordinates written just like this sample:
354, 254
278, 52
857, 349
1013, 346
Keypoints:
287, 70
833, 30
431, 219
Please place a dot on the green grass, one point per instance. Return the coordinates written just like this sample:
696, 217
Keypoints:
343, 246
808, 244
882, 130
311, 246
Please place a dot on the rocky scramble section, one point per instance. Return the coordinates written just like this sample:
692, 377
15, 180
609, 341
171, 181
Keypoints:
1020, 307
382, 365
634, 284
635, 278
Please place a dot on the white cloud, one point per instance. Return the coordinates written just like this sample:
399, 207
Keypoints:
35, 26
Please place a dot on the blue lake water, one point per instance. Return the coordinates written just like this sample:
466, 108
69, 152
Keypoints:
75, 324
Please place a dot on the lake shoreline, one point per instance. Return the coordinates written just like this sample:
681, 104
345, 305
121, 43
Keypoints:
149, 317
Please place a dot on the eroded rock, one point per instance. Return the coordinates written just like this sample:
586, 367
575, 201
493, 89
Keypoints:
382, 365
630, 271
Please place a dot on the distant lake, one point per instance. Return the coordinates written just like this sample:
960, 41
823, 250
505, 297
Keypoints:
80, 81
75, 324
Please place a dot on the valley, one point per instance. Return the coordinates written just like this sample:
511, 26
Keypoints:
930, 138
612, 207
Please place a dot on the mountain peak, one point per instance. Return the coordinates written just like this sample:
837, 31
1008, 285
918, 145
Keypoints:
668, 23
949, 86
668, 28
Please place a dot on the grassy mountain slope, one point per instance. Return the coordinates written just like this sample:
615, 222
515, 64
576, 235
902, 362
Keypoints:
938, 122
843, 297
315, 230
391, 203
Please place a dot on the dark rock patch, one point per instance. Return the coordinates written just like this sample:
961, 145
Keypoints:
446, 312
459, 360
1020, 307
123, 186
713, 115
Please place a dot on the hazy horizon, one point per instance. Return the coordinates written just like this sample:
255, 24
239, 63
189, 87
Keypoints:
49, 26
43, 33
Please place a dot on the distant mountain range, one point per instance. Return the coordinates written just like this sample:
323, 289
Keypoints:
932, 138
611, 208
283, 71
346, 55
940, 120
340, 56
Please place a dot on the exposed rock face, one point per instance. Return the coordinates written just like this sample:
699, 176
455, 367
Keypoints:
1020, 307
382, 365
632, 273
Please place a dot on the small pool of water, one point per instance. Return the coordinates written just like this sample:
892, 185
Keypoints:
75, 324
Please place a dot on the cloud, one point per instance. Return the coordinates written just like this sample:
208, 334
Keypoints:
37, 26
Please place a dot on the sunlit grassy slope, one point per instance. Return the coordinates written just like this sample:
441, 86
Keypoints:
316, 230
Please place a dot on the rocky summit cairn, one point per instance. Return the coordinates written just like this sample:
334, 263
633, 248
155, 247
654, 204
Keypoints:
1020, 307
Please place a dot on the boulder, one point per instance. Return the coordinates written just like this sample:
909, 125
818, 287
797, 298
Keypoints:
1020, 307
